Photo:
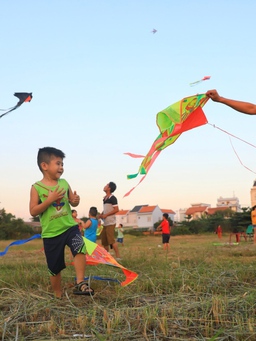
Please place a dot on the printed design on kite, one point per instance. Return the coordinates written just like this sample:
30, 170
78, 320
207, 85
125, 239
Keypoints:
179, 117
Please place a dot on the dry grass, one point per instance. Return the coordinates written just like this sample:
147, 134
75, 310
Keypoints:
196, 291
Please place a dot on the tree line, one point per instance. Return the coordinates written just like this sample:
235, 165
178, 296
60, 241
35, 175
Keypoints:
15, 228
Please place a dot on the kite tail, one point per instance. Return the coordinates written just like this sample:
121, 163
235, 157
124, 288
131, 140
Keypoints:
19, 242
148, 168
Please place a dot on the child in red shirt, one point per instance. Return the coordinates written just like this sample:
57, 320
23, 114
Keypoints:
166, 231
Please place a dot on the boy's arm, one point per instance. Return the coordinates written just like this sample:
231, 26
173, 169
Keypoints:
36, 208
87, 224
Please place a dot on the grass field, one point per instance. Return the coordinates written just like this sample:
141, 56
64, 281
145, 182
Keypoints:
196, 291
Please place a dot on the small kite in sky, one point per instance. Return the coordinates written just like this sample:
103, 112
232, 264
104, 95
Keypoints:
154, 31
23, 97
206, 78
179, 117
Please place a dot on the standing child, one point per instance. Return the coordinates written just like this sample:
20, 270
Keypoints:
253, 218
51, 198
79, 222
91, 225
166, 231
219, 232
120, 234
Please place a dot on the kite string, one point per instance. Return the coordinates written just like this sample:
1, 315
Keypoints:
239, 158
226, 132
250, 144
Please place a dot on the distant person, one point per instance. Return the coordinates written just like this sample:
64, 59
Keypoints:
78, 221
110, 208
166, 231
219, 231
243, 107
91, 225
253, 218
51, 198
120, 234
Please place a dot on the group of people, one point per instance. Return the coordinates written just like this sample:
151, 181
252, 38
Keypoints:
51, 198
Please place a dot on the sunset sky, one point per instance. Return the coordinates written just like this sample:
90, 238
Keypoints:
99, 76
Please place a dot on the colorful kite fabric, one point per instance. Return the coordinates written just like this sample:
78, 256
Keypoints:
206, 78
23, 97
98, 255
181, 116
95, 255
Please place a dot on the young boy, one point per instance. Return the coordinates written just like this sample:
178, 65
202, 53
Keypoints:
91, 225
120, 234
79, 222
51, 198
166, 231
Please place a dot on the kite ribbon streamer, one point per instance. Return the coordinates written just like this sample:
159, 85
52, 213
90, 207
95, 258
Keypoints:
19, 242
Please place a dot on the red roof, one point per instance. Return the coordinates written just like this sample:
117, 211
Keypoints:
167, 211
195, 209
147, 209
122, 212
217, 209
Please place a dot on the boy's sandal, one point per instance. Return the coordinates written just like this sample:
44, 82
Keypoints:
83, 289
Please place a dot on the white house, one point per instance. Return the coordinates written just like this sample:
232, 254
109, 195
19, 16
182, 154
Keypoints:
142, 216
148, 216
122, 218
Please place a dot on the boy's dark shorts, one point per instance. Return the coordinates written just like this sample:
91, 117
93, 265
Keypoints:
54, 248
165, 238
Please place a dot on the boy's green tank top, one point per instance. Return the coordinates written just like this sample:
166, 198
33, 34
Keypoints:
57, 218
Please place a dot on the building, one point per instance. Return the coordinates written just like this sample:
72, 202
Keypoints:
197, 211
232, 203
142, 216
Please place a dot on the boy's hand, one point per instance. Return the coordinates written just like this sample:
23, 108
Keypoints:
75, 199
57, 194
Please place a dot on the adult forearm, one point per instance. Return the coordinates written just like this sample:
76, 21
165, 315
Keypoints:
244, 107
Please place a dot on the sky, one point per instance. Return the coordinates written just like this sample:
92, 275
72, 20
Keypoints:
99, 76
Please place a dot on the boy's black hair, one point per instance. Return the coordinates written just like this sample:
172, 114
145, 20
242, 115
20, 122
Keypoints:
121, 225
72, 211
166, 215
93, 211
45, 154
112, 186
253, 207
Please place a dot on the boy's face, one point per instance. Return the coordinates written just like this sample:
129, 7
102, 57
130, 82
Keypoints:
54, 168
